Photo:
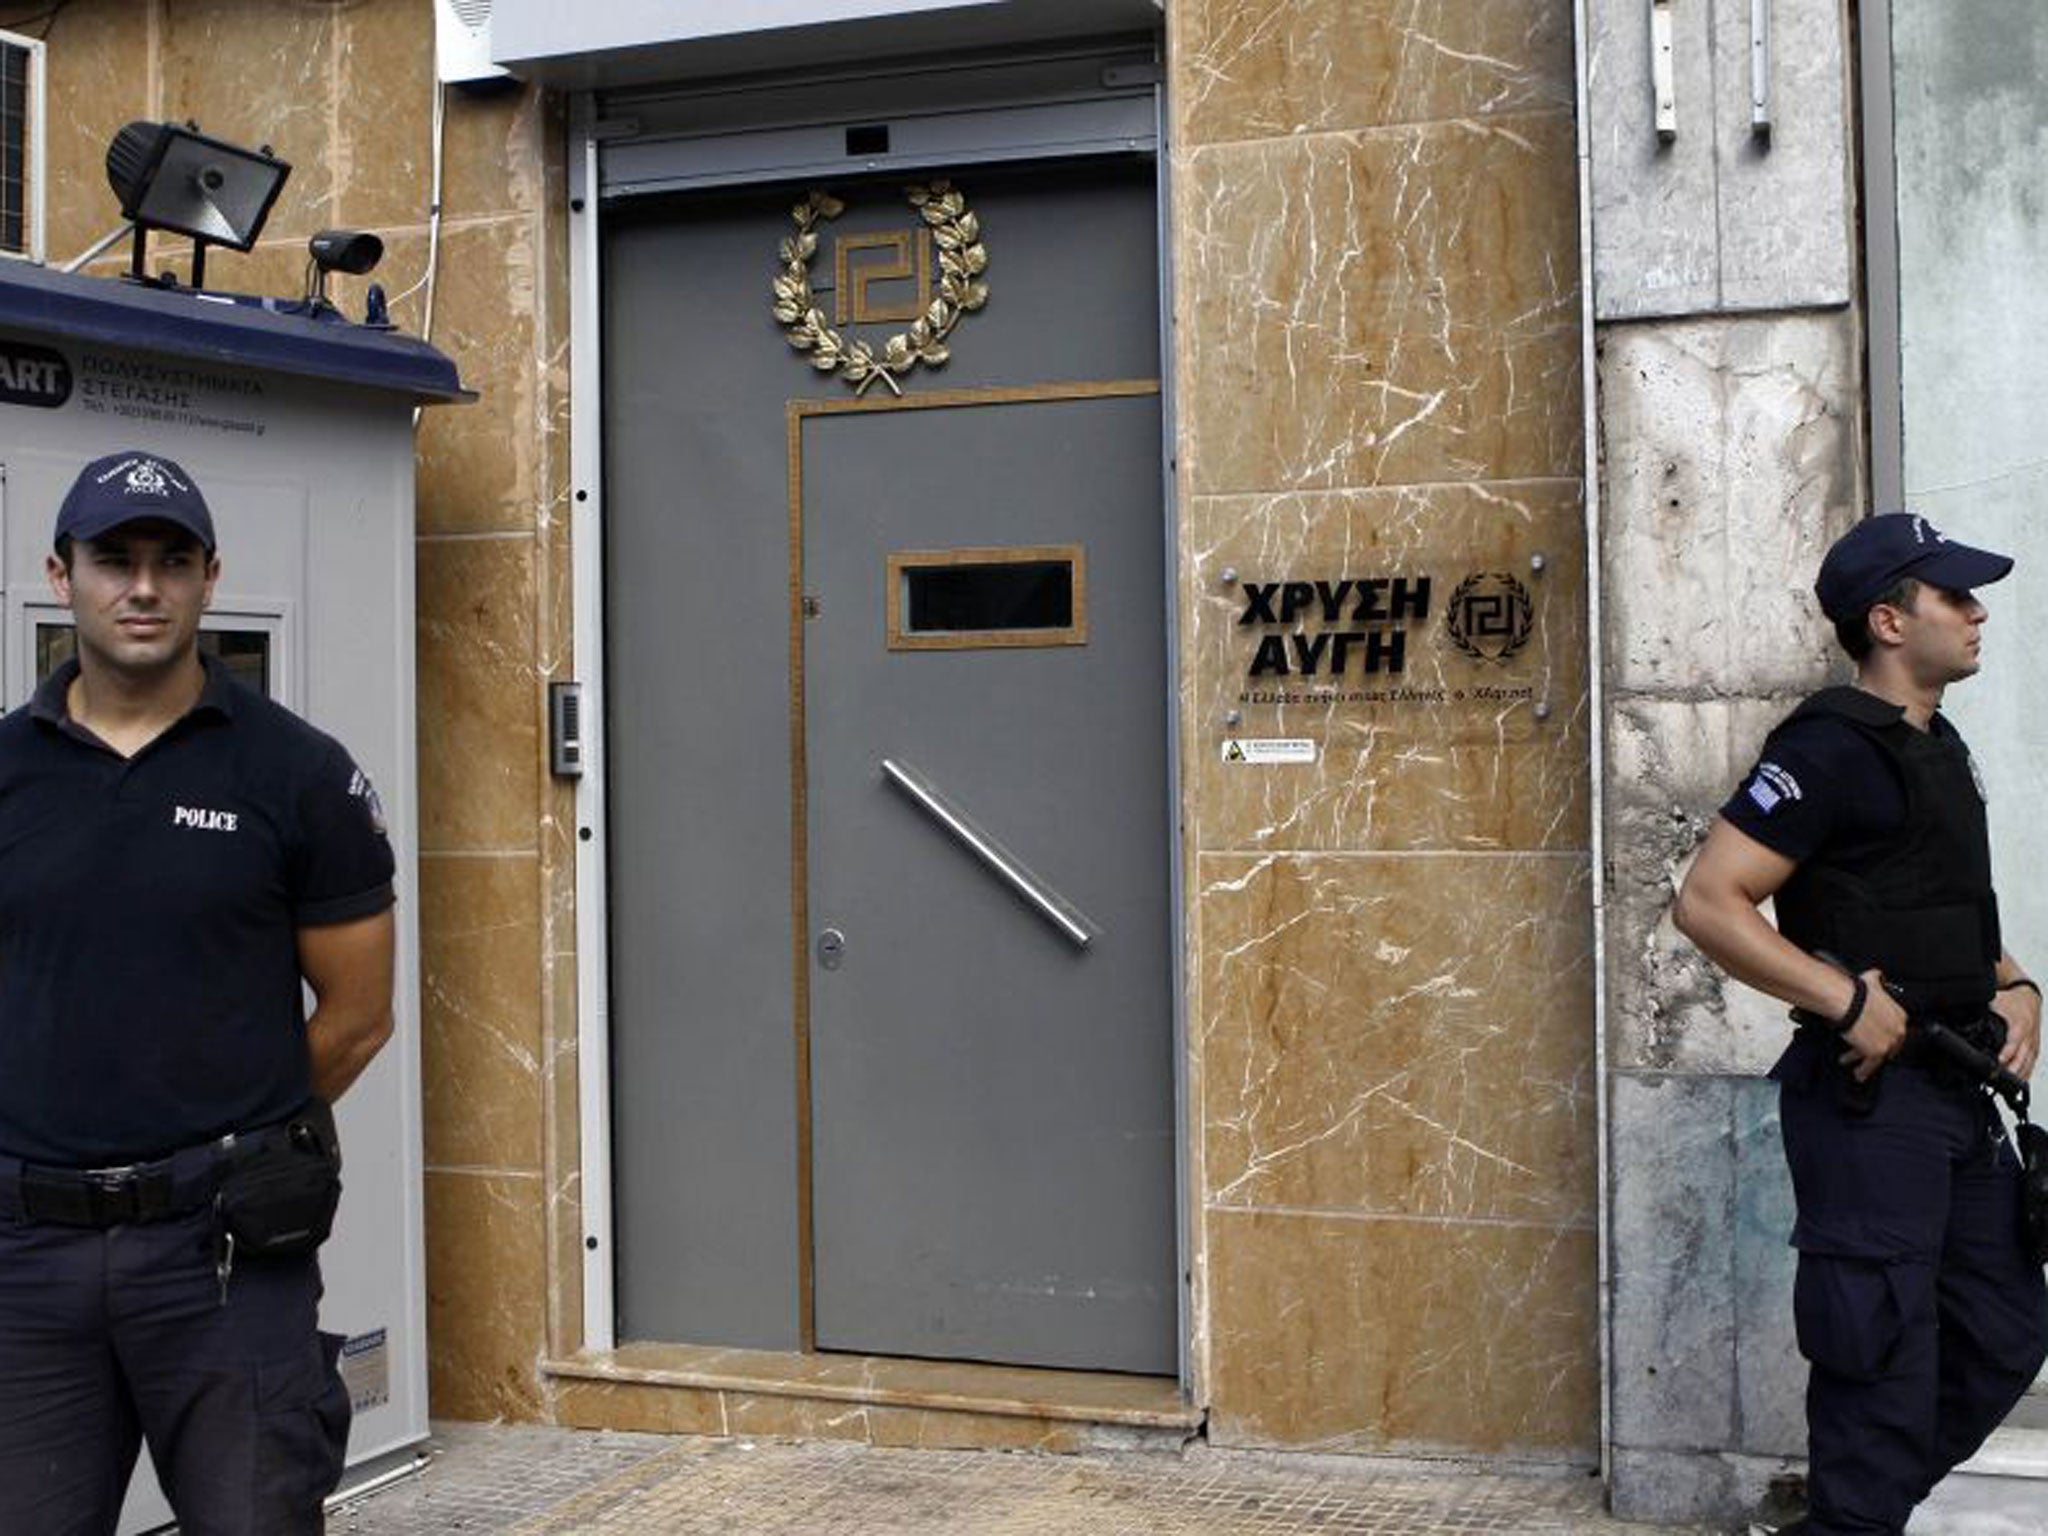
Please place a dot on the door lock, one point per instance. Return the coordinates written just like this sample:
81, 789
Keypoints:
831, 948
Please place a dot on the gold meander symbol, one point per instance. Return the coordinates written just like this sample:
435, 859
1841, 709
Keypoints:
948, 225
851, 302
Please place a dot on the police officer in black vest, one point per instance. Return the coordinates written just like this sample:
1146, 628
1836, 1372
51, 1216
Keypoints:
1920, 1317
179, 859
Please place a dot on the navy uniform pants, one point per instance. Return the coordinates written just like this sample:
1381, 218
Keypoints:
1919, 1314
112, 1338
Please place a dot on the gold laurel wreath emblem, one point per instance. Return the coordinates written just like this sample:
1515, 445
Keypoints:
1524, 615
962, 259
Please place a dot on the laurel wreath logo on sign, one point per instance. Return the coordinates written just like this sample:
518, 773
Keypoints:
1490, 616
962, 259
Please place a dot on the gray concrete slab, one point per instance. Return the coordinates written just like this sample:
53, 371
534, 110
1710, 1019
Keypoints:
1674, 1243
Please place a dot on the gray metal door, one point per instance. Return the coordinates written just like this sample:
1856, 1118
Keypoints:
990, 1016
779, 1130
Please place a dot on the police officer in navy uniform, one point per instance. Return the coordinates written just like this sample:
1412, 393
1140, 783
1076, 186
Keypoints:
179, 857
1864, 819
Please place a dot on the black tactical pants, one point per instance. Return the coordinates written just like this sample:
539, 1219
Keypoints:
1922, 1320
110, 1337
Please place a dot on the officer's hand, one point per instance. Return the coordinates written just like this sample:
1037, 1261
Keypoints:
2021, 1010
1879, 1033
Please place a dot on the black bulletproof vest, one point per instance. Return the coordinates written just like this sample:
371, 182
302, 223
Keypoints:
1917, 906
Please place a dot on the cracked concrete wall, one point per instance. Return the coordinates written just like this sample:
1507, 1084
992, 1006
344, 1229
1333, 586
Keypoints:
1733, 456
1732, 453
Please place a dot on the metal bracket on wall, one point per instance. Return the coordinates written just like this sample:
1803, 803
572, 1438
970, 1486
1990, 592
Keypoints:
1760, 69
1663, 77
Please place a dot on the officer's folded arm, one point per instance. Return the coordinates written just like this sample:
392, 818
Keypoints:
349, 967
1717, 909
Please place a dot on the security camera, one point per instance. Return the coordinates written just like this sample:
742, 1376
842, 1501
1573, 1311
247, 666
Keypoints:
354, 251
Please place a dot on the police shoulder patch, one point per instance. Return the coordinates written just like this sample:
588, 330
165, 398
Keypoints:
1771, 786
359, 785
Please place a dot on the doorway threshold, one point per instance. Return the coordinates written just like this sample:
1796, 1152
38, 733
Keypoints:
884, 1400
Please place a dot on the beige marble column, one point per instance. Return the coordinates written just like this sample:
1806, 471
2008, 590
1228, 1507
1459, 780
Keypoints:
1391, 1020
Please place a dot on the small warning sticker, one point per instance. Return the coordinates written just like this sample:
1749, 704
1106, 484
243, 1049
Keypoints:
1269, 749
366, 1370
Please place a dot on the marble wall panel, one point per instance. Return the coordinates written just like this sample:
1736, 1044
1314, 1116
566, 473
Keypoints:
795, 1418
1451, 752
481, 465
641, 1406
1782, 201
496, 150
1394, 306
675, 1410
383, 163
1671, 762
1732, 462
485, 1294
1770, 1376
258, 74
1400, 1035
1720, 218
1673, 1257
100, 78
480, 1006
492, 151
480, 740
1343, 1334
1253, 69
1656, 250
924, 1429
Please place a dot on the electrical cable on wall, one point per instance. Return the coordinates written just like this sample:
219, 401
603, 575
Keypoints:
438, 133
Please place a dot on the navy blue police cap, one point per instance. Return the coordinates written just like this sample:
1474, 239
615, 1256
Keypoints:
1879, 552
131, 487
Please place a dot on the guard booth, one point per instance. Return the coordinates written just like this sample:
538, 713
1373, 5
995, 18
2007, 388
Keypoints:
299, 432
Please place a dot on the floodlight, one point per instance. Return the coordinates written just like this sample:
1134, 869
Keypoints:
177, 178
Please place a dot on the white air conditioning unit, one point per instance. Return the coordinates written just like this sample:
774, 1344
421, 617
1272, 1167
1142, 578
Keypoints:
462, 42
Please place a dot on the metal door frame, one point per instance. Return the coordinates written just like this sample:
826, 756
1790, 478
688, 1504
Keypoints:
1044, 133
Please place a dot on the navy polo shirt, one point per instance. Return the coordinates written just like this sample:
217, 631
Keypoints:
150, 994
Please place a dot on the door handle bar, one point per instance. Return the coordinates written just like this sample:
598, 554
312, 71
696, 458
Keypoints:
1050, 904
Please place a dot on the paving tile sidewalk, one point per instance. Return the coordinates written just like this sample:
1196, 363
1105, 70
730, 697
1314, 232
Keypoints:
548, 1482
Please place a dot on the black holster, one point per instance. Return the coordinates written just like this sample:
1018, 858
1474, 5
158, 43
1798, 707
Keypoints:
279, 1186
2033, 1148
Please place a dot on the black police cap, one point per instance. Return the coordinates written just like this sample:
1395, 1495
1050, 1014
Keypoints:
1882, 551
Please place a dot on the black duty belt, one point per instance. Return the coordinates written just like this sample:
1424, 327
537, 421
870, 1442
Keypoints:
115, 1197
